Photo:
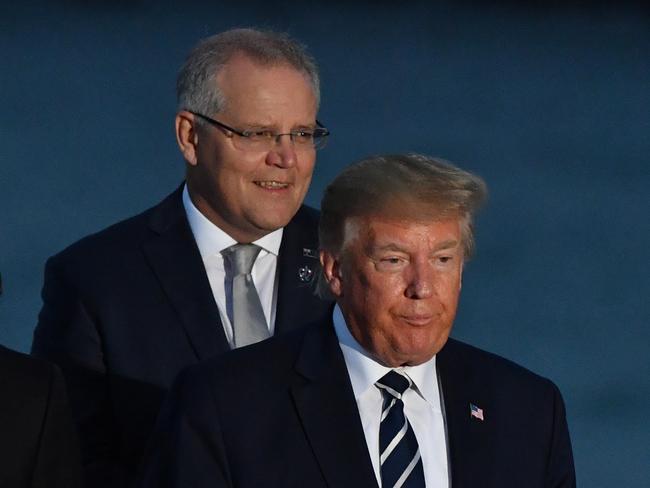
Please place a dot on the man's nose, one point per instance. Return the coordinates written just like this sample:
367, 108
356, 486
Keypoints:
420, 281
283, 153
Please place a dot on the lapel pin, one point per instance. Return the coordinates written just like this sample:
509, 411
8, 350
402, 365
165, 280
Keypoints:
476, 412
309, 253
305, 274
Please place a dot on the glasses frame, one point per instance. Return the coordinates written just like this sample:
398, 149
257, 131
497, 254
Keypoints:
324, 134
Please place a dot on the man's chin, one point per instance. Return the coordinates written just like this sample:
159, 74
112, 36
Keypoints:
273, 219
421, 354
404, 357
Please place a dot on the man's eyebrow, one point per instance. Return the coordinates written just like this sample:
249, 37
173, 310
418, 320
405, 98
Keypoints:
393, 246
390, 246
448, 244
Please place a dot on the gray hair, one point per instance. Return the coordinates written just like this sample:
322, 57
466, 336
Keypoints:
196, 86
411, 186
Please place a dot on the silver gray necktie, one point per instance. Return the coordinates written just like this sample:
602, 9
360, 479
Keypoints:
249, 324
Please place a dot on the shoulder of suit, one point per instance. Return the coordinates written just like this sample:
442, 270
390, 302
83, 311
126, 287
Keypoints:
133, 230
24, 371
305, 221
306, 215
257, 363
302, 230
489, 365
120, 235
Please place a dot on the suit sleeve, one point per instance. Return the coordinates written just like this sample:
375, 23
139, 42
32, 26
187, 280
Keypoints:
187, 449
560, 470
68, 335
57, 462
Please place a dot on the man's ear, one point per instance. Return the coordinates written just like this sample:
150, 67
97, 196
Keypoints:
187, 137
332, 271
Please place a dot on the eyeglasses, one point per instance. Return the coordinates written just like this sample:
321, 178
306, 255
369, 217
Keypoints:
264, 139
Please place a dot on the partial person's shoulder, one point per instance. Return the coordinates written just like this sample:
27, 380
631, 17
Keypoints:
302, 229
119, 237
260, 363
277, 352
306, 215
305, 222
490, 368
23, 372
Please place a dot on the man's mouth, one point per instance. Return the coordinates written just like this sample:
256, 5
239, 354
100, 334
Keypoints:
418, 319
272, 184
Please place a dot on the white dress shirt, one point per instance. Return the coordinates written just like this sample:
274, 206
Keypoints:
211, 240
421, 405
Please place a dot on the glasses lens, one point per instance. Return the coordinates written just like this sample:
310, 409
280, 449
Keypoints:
265, 141
254, 141
320, 138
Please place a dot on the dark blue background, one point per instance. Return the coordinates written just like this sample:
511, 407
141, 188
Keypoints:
550, 105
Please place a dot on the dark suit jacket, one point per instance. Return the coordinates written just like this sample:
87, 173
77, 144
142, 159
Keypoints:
126, 309
38, 443
297, 425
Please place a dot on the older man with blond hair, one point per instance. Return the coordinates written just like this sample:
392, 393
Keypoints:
377, 394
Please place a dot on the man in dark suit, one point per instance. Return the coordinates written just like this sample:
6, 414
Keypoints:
377, 395
38, 442
126, 309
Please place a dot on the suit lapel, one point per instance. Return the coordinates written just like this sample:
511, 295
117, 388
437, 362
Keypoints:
328, 411
297, 270
469, 438
176, 261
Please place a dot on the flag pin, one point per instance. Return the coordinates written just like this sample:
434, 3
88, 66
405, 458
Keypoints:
305, 274
476, 412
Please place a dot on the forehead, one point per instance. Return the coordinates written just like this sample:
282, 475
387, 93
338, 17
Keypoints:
378, 232
247, 83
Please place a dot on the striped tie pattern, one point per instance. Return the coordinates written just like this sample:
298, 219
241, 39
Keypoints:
401, 464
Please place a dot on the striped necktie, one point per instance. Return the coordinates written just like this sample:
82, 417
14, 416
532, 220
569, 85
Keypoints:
401, 464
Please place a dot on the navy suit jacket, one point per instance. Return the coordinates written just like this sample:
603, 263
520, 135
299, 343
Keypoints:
226, 424
38, 442
126, 309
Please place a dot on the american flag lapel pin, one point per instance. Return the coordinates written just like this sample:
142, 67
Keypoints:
476, 412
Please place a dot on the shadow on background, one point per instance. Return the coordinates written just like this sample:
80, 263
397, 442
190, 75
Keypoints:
549, 104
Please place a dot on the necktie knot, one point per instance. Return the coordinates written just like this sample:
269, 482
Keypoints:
394, 383
241, 258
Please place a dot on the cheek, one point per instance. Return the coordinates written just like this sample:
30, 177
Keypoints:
449, 290
306, 166
304, 179
381, 293
233, 178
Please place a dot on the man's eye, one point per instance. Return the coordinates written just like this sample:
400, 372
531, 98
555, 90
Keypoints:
391, 263
302, 136
259, 135
444, 259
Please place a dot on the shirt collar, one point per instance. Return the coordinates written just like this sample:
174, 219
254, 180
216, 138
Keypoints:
211, 240
364, 371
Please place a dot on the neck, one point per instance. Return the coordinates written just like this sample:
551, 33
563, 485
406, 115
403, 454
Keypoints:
243, 236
